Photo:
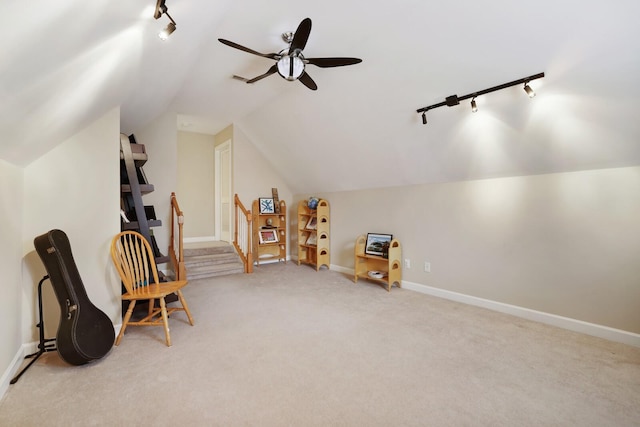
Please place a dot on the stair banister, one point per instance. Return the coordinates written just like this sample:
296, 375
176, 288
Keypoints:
177, 219
242, 234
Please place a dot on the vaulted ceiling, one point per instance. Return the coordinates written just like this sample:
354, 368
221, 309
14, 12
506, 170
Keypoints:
63, 64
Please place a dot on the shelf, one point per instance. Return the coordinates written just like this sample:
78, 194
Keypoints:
139, 158
392, 265
144, 188
378, 257
269, 249
133, 185
316, 254
133, 225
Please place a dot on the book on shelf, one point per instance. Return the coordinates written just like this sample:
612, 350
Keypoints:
276, 200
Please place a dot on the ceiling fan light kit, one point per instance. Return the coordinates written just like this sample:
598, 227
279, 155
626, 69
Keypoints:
290, 67
290, 62
452, 100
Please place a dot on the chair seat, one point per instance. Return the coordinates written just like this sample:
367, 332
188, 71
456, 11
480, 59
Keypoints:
155, 290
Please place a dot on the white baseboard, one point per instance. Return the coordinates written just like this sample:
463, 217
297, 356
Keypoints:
200, 239
19, 360
16, 365
580, 326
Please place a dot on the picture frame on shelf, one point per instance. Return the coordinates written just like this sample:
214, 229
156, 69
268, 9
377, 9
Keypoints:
312, 224
377, 243
312, 240
268, 236
266, 205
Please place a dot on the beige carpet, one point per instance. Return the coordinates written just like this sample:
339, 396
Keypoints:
289, 346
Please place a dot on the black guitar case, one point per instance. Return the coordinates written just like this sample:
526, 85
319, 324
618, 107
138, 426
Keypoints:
85, 333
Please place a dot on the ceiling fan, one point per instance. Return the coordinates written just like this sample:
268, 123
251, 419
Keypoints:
290, 62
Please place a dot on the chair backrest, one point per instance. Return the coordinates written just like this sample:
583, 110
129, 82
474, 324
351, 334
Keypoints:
133, 258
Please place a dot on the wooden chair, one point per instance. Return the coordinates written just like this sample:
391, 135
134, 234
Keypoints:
134, 260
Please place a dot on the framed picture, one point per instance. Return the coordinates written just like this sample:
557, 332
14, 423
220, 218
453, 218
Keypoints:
377, 244
266, 206
268, 236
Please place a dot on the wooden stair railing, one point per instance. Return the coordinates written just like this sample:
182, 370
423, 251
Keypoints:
177, 221
242, 234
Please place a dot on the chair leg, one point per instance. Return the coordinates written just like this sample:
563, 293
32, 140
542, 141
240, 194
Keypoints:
184, 305
125, 321
165, 319
151, 306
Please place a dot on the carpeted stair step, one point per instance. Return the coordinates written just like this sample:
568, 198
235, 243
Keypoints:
212, 261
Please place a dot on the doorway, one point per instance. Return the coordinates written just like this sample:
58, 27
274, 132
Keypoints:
223, 202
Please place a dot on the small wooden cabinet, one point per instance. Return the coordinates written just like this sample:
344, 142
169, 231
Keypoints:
313, 234
269, 233
391, 267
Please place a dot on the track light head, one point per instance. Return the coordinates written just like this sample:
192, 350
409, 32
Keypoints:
424, 117
528, 89
474, 106
164, 34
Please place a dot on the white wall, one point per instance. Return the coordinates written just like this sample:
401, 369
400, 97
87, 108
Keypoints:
253, 174
11, 212
195, 189
565, 244
75, 188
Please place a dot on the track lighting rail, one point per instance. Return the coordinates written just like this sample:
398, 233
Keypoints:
452, 100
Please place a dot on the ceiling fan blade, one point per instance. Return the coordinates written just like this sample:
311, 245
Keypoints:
332, 62
271, 70
301, 36
273, 56
306, 80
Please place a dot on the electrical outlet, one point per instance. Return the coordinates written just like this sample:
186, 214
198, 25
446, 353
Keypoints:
407, 263
427, 266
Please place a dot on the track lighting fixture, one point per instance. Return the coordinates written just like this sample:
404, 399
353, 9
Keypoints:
164, 34
452, 100
161, 9
528, 89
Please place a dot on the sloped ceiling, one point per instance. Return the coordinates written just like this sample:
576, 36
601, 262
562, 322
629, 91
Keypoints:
65, 63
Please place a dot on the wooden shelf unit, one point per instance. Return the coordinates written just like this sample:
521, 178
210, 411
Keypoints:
134, 185
269, 251
314, 243
391, 266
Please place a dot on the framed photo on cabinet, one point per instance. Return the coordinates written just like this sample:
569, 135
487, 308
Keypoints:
268, 236
266, 205
377, 244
